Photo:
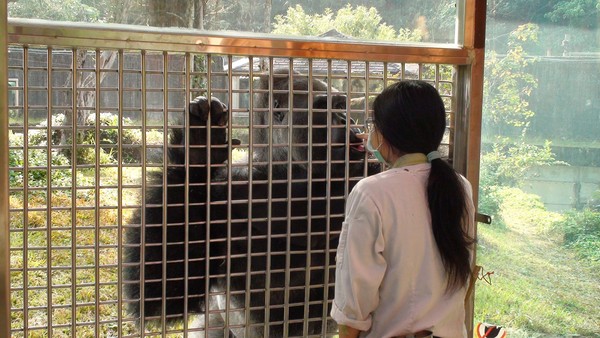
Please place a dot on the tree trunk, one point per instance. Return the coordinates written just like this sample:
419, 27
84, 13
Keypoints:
86, 98
173, 13
267, 17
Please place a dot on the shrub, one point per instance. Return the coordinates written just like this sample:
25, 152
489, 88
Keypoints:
109, 136
505, 166
581, 231
594, 201
36, 158
525, 211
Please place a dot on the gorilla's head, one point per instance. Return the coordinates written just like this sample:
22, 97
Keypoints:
328, 133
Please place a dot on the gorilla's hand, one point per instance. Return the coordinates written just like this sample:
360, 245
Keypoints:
201, 111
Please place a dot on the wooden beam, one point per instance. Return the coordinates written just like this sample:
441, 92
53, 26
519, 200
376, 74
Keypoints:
4, 202
474, 42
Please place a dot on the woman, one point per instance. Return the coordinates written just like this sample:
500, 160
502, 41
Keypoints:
405, 251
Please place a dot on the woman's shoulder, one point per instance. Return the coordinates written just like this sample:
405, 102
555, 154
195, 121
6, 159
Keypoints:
393, 177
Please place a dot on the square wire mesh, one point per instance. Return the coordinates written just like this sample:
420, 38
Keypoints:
93, 216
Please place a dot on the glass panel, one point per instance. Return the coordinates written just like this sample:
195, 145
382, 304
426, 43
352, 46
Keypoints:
110, 188
540, 170
431, 21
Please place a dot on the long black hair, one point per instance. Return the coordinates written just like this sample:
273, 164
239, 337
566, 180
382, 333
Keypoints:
411, 117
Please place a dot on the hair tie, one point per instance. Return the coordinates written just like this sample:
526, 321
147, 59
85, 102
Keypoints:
433, 156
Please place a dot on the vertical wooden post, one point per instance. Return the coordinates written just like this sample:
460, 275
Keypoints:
4, 207
474, 42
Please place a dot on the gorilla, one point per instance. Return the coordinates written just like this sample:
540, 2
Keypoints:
254, 242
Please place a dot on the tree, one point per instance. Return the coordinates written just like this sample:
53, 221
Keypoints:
565, 25
578, 13
360, 22
572, 13
363, 22
434, 18
298, 22
247, 16
508, 84
73, 10
58, 10
506, 115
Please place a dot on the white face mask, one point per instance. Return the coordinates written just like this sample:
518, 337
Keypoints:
375, 152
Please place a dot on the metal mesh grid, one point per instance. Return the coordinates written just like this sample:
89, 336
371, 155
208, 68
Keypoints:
90, 132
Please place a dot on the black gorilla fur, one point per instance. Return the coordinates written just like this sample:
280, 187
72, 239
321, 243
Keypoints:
271, 253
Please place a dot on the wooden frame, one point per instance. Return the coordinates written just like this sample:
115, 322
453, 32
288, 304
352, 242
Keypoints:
469, 56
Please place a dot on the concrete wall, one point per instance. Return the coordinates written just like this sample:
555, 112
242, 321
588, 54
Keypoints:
563, 187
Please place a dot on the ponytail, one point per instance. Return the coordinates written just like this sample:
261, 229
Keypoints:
411, 116
448, 207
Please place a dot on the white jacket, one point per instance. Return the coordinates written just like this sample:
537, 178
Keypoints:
390, 280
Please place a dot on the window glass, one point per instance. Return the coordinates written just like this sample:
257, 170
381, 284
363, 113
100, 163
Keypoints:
13, 94
431, 21
540, 170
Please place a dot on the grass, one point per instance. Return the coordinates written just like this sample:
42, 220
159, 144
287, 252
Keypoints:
539, 288
94, 255
94, 246
556, 142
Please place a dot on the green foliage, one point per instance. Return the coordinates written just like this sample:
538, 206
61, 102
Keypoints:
525, 211
39, 137
298, 22
505, 166
574, 13
508, 84
538, 289
407, 34
433, 19
507, 87
582, 233
507, 162
578, 13
362, 22
58, 10
358, 22
572, 20
594, 201
36, 158
110, 137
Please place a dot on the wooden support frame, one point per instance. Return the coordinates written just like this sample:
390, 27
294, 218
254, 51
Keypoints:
474, 43
4, 201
